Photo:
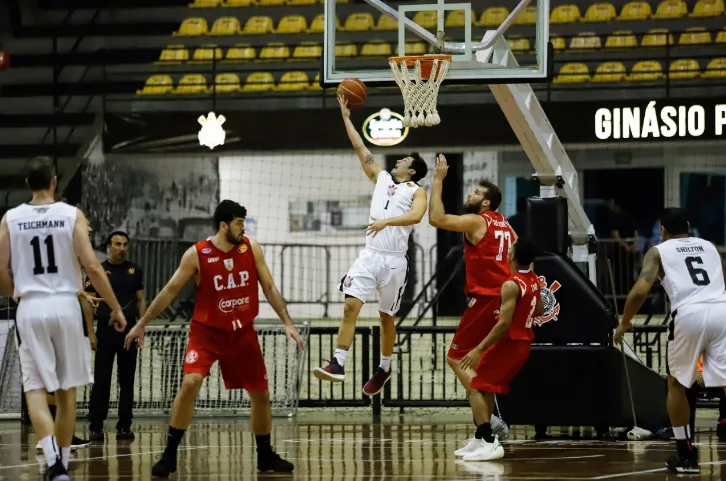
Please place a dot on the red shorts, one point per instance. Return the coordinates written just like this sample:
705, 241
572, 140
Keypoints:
478, 319
238, 352
499, 364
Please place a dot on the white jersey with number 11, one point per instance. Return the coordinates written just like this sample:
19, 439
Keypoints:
693, 271
43, 258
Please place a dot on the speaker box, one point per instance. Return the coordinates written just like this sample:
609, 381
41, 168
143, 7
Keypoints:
546, 224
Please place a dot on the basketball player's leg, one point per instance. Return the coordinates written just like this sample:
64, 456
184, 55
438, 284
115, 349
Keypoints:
357, 285
202, 352
65, 421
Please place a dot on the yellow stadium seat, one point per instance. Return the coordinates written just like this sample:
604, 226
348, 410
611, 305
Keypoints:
259, 82
174, 54
258, 25
695, 36
573, 73
226, 83
192, 84
669, 9
238, 3
386, 22
270, 3
346, 50
609, 72
302, 2
225, 26
585, 40
716, 68
684, 69
359, 22
494, 16
621, 39
315, 84
292, 24
708, 8
307, 51
241, 53
413, 48
633, 11
157, 85
600, 12
457, 19
425, 19
646, 71
376, 49
205, 3
528, 17
518, 44
293, 82
565, 14
558, 43
207, 53
721, 36
192, 27
657, 37
274, 51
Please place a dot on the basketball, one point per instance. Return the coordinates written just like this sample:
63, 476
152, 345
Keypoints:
354, 91
4, 60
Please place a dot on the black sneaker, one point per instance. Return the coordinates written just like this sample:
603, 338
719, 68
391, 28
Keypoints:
77, 443
273, 462
164, 467
682, 466
125, 434
96, 435
57, 473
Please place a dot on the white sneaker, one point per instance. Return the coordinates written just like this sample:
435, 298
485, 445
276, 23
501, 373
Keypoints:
469, 447
486, 451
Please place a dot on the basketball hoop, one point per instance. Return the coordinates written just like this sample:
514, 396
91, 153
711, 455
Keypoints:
421, 90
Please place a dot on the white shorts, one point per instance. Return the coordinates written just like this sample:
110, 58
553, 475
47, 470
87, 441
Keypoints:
377, 271
696, 330
53, 348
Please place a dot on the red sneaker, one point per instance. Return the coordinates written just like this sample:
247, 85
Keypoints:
333, 372
377, 382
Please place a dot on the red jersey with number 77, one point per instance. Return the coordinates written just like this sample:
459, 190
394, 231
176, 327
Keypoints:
487, 264
227, 296
521, 327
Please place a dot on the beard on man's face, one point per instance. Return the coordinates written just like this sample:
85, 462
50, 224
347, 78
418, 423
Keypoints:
471, 208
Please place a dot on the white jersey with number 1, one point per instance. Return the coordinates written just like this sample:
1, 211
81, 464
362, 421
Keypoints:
41, 245
391, 199
693, 272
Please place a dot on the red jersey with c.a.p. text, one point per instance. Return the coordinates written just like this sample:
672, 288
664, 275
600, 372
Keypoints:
227, 295
521, 327
487, 264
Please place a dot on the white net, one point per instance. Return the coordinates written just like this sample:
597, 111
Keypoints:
159, 374
419, 92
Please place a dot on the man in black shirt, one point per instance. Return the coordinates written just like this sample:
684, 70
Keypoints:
127, 281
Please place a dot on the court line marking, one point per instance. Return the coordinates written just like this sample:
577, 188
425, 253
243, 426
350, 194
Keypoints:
649, 471
417, 460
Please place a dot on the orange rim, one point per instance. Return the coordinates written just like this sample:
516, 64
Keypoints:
427, 62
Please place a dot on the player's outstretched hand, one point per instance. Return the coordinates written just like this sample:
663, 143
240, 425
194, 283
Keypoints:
92, 301
442, 168
344, 106
375, 226
135, 334
293, 335
619, 333
471, 360
118, 321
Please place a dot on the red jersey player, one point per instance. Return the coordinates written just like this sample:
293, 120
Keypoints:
226, 269
503, 352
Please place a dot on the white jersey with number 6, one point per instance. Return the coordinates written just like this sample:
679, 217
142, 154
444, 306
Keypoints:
693, 271
43, 258
391, 199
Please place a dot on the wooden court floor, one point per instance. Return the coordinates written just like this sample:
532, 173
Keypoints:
399, 450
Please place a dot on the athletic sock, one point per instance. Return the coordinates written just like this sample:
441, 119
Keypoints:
173, 440
264, 444
385, 362
66, 456
340, 356
50, 450
484, 431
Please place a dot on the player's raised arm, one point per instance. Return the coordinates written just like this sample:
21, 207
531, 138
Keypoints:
94, 270
6, 278
467, 223
273, 294
412, 217
510, 295
639, 293
366, 158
